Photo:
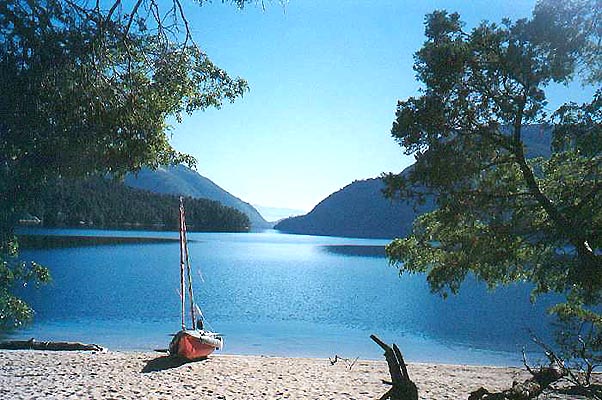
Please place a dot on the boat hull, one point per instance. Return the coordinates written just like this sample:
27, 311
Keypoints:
194, 345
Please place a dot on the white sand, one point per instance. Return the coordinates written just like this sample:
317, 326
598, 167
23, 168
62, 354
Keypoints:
119, 375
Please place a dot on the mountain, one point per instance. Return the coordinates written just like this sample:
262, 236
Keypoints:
357, 210
180, 180
360, 209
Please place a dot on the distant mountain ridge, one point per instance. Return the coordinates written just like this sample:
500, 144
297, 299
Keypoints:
361, 210
358, 210
180, 180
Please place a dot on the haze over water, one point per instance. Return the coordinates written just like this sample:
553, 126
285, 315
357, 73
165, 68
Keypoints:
274, 294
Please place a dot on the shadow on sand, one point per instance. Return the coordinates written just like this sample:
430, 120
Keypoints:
166, 362
594, 389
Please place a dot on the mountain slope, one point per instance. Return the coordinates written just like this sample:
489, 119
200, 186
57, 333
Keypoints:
180, 180
360, 209
105, 203
357, 210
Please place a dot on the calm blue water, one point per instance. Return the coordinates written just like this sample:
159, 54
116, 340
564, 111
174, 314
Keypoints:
274, 294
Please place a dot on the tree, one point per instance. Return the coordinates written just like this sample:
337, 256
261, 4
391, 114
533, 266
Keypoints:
501, 215
86, 88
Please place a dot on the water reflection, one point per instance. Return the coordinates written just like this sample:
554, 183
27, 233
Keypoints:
50, 241
355, 250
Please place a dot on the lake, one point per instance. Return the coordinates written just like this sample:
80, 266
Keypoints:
273, 294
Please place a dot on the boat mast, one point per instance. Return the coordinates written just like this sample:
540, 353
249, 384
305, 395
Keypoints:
188, 271
182, 246
187, 264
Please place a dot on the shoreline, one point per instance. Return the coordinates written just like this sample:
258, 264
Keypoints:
27, 374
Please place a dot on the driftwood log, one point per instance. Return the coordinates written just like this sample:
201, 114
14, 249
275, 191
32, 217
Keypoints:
402, 387
33, 344
529, 389
541, 379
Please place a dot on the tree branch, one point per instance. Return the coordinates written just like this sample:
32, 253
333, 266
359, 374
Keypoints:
111, 11
132, 16
590, 261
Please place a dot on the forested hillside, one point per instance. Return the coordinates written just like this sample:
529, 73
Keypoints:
101, 202
357, 210
180, 180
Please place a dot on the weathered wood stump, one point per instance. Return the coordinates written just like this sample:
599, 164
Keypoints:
33, 344
529, 389
402, 387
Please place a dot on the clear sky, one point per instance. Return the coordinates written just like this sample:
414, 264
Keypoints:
324, 77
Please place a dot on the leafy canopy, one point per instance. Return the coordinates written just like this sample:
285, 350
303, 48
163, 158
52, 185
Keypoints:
86, 87
503, 214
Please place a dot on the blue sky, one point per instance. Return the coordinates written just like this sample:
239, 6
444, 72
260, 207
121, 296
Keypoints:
324, 78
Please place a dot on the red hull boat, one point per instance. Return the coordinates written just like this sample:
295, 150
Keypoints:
195, 343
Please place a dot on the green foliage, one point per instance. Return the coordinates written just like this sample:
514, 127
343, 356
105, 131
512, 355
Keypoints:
572, 26
87, 87
84, 91
98, 202
13, 310
501, 215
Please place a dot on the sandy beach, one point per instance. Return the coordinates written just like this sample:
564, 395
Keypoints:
136, 375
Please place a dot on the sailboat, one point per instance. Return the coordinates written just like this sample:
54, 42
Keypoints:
194, 343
